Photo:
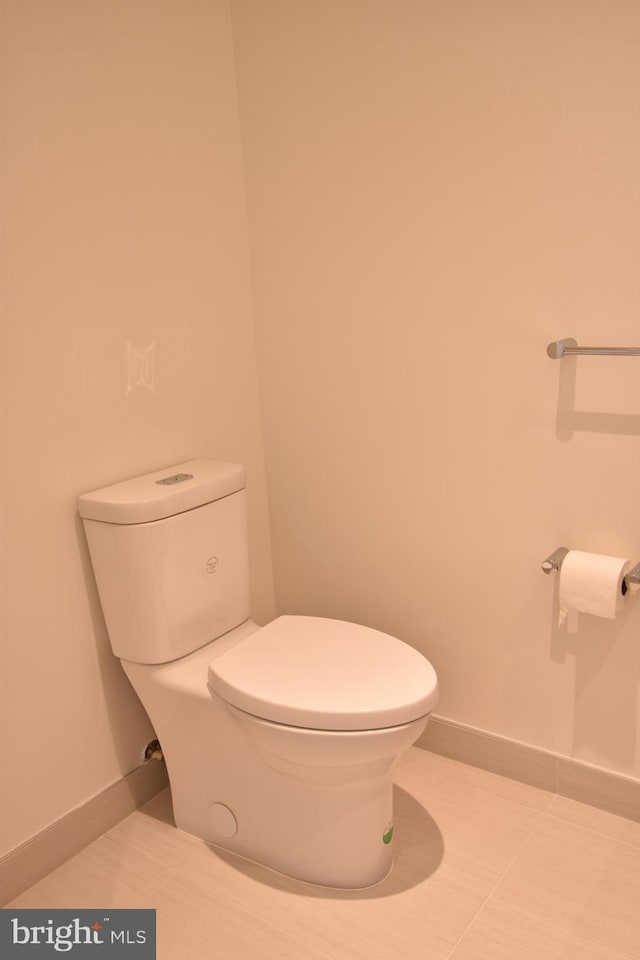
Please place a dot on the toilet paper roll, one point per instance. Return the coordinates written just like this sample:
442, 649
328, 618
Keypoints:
591, 583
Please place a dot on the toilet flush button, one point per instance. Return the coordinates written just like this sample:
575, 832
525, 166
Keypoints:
221, 821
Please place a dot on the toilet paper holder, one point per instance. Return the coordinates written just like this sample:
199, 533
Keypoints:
554, 562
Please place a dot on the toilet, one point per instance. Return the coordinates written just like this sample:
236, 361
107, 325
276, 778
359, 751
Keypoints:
279, 740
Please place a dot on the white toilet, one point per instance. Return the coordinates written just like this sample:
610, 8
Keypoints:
279, 740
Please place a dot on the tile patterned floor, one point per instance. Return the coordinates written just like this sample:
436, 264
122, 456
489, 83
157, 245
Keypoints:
486, 869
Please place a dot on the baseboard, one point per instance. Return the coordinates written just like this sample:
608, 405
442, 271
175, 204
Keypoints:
38, 856
548, 771
33, 860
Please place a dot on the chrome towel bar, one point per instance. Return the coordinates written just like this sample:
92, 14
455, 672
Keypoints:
554, 562
569, 348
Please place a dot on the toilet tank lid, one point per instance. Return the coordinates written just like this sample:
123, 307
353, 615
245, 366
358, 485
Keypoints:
163, 493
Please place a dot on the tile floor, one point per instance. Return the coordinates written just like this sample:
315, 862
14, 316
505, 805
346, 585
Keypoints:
486, 869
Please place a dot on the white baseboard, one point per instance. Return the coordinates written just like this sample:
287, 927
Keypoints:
38, 856
548, 771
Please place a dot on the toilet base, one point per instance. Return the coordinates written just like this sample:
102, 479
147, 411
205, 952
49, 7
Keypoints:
337, 837
313, 805
327, 865
326, 824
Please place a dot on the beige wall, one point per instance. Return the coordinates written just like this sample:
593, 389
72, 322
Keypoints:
436, 190
125, 222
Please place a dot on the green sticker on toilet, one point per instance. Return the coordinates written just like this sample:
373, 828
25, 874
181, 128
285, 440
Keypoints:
388, 834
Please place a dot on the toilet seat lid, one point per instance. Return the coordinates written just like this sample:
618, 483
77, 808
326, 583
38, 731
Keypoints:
325, 675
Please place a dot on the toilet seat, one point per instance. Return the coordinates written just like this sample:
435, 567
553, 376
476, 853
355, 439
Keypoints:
325, 674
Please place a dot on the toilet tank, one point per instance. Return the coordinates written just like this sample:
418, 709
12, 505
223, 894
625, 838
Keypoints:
170, 556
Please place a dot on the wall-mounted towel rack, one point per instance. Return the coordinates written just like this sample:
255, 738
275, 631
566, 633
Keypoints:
554, 562
569, 348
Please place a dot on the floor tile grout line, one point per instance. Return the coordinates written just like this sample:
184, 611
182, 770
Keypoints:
155, 890
621, 955
598, 833
501, 796
553, 796
141, 848
243, 909
489, 793
497, 883
492, 793
614, 951
318, 954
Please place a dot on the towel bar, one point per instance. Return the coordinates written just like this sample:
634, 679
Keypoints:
569, 348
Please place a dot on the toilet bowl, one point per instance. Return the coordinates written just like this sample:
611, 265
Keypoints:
279, 740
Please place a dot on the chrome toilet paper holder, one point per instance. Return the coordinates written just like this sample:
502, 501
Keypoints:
554, 562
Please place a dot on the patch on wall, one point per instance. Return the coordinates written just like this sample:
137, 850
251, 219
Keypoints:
140, 367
